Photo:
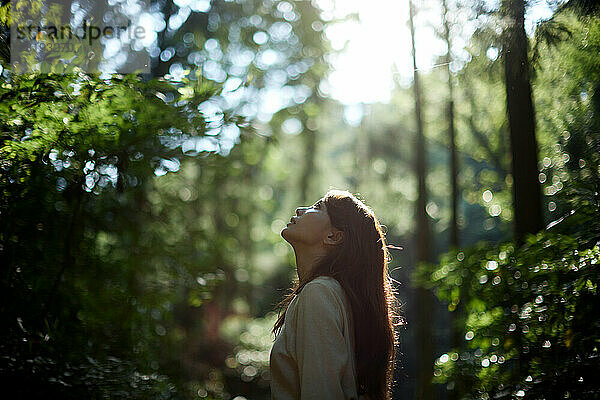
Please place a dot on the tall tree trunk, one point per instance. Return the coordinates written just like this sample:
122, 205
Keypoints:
310, 145
521, 119
159, 68
423, 237
457, 316
454, 240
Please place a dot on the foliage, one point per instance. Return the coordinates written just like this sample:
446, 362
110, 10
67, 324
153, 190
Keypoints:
140, 219
529, 316
568, 94
252, 341
531, 313
78, 155
128, 209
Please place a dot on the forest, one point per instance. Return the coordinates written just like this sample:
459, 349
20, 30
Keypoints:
140, 213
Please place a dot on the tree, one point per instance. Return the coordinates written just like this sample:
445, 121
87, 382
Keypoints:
422, 236
532, 307
521, 119
454, 236
78, 157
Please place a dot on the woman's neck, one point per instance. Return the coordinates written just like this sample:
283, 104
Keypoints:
306, 260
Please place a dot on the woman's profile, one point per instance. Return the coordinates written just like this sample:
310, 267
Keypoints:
335, 334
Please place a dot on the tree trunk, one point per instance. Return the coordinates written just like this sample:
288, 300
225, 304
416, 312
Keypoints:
423, 298
456, 317
310, 144
454, 240
521, 119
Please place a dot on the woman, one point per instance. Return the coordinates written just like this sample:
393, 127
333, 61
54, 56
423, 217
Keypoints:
335, 331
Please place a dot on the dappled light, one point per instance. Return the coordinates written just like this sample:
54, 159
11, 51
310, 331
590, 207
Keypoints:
146, 177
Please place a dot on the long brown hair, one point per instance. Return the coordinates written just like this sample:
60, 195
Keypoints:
360, 265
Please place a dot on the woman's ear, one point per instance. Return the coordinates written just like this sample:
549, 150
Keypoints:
334, 237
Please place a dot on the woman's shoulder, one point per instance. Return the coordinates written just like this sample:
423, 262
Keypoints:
323, 288
327, 281
321, 299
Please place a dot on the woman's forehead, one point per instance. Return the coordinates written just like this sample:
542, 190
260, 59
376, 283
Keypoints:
319, 202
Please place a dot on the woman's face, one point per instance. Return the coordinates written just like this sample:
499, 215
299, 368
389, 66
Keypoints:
310, 226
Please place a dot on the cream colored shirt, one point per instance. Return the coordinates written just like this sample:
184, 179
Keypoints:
313, 354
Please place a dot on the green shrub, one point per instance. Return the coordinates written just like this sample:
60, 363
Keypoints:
529, 315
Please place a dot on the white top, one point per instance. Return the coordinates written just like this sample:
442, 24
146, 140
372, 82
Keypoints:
313, 354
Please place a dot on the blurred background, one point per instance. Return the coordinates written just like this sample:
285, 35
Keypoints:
140, 215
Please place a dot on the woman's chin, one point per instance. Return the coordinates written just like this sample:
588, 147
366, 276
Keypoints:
285, 233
